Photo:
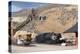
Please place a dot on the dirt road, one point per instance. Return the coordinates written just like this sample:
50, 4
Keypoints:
40, 47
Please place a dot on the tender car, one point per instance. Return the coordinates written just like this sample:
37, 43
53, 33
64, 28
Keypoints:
25, 41
50, 38
23, 38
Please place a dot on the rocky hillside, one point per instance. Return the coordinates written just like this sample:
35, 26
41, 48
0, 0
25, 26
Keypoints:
59, 18
21, 13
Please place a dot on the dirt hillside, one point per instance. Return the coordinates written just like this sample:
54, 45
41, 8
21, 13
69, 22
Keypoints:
58, 19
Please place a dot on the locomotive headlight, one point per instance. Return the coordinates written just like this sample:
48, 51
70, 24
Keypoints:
53, 37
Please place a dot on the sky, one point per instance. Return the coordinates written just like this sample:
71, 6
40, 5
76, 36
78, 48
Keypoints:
17, 6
